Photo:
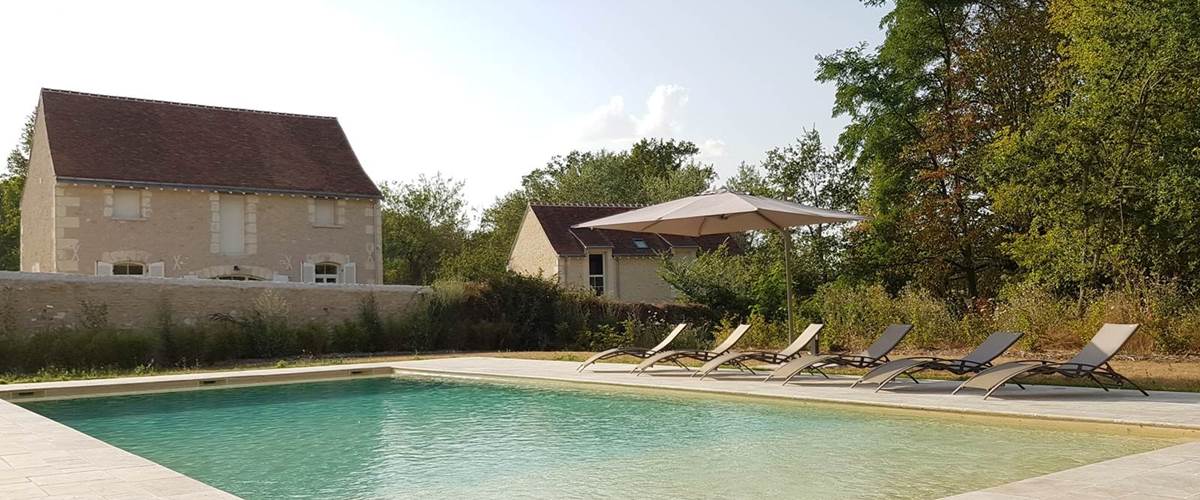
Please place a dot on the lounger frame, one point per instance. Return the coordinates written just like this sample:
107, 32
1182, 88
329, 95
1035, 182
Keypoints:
675, 357
1091, 363
977, 360
741, 360
875, 355
1069, 370
637, 352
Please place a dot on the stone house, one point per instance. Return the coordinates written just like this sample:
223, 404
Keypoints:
124, 186
622, 265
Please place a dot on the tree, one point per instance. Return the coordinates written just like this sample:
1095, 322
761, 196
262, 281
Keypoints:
424, 223
804, 172
652, 171
924, 108
1105, 181
12, 183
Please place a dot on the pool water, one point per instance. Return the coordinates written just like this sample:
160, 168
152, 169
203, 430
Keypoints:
443, 438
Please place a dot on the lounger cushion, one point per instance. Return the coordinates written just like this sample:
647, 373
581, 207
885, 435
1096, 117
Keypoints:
614, 352
886, 372
1000, 374
799, 364
728, 357
659, 357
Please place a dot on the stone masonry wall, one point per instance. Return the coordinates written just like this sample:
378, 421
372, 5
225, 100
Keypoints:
33, 300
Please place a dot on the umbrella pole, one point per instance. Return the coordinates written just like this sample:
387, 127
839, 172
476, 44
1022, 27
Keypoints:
787, 275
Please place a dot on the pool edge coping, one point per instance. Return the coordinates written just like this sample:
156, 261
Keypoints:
823, 400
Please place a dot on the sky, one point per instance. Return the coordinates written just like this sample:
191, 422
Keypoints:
479, 90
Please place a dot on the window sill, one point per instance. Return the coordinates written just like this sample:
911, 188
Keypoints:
327, 226
128, 219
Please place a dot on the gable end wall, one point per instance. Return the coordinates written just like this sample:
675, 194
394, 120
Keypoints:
38, 204
532, 254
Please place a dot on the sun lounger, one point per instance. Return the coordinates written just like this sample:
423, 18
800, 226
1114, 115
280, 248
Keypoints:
699, 355
638, 352
979, 359
739, 359
875, 355
1091, 362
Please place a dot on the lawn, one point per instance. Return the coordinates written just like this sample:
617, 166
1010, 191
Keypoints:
1159, 373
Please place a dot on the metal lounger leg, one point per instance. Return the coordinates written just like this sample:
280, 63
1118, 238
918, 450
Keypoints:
1135, 386
1097, 381
1121, 380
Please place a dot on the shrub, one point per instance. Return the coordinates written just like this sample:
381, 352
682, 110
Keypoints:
853, 314
1034, 311
934, 326
764, 334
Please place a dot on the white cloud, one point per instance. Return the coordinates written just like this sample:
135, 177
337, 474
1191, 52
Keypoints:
664, 112
608, 122
612, 126
712, 148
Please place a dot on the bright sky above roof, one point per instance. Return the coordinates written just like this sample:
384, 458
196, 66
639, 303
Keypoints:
480, 90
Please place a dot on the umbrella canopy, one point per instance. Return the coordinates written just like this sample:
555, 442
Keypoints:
723, 212
720, 212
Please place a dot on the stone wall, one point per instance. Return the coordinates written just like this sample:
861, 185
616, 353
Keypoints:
181, 229
33, 300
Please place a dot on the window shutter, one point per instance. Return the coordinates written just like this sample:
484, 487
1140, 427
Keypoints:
103, 268
349, 273
157, 269
308, 272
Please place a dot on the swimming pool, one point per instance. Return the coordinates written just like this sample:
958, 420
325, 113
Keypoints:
445, 438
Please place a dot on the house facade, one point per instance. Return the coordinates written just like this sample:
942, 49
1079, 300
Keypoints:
621, 265
123, 186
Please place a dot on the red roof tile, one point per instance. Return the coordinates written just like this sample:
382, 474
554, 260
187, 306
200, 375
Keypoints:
104, 138
557, 219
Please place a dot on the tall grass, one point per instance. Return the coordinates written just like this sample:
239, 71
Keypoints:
854, 315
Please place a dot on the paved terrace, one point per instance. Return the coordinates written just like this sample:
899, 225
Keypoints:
40, 458
1162, 409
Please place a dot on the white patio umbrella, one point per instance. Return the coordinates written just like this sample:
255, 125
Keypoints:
723, 212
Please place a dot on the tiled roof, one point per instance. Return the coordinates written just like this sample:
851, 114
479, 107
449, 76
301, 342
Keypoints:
138, 141
557, 219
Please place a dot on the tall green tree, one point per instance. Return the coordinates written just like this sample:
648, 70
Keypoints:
651, 171
1105, 181
924, 108
424, 222
804, 172
12, 183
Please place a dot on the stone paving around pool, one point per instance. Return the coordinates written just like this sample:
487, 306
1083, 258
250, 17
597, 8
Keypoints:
1162, 409
40, 458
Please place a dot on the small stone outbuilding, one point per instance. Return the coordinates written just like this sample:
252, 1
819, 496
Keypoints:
125, 186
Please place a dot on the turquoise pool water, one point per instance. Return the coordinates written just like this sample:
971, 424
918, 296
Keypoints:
435, 438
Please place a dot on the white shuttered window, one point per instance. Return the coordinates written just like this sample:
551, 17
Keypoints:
127, 204
233, 224
325, 213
